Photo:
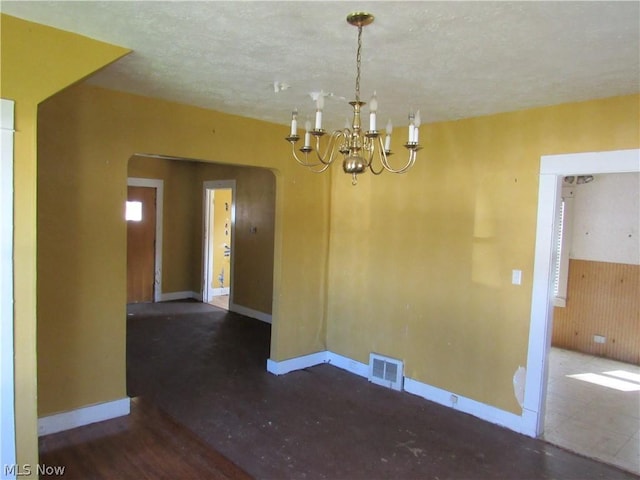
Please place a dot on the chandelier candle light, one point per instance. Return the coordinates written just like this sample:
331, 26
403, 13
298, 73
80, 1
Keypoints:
357, 147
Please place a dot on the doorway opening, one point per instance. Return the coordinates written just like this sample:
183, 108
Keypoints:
182, 248
553, 169
218, 237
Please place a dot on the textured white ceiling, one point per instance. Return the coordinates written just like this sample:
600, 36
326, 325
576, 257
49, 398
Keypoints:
449, 59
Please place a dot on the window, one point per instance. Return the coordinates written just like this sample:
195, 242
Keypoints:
133, 212
562, 248
559, 240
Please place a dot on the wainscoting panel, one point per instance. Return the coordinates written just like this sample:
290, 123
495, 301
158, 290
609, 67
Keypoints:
602, 316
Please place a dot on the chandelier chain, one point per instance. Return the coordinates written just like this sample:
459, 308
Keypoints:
358, 60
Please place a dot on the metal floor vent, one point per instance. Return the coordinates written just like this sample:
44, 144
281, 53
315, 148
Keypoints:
385, 371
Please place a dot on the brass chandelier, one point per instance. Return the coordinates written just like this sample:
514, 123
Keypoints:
357, 147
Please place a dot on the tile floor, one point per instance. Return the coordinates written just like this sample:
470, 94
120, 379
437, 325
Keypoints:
220, 301
591, 419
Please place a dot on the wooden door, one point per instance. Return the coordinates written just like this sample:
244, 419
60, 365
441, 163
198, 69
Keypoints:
141, 240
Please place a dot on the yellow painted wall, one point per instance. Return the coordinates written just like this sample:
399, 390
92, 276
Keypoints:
91, 133
420, 264
37, 61
221, 238
183, 254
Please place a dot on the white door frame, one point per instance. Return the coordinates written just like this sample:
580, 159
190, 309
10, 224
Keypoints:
207, 256
159, 186
552, 169
7, 400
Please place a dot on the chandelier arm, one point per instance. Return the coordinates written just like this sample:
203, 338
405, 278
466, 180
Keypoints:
406, 167
374, 171
380, 154
371, 162
387, 166
371, 148
320, 170
311, 166
331, 151
305, 162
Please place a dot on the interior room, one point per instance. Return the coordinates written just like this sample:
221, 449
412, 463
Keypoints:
593, 393
433, 288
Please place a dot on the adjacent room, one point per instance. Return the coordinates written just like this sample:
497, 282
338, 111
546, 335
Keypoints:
252, 230
593, 396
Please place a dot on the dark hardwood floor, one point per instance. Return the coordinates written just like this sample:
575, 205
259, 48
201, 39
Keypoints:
205, 368
147, 444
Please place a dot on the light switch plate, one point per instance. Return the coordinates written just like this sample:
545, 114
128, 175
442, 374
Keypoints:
516, 277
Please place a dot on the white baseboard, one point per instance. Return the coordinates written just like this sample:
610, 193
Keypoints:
83, 416
464, 404
249, 312
306, 361
297, 363
168, 297
220, 291
524, 424
345, 363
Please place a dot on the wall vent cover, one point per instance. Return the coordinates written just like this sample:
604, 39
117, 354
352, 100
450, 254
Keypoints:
385, 371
